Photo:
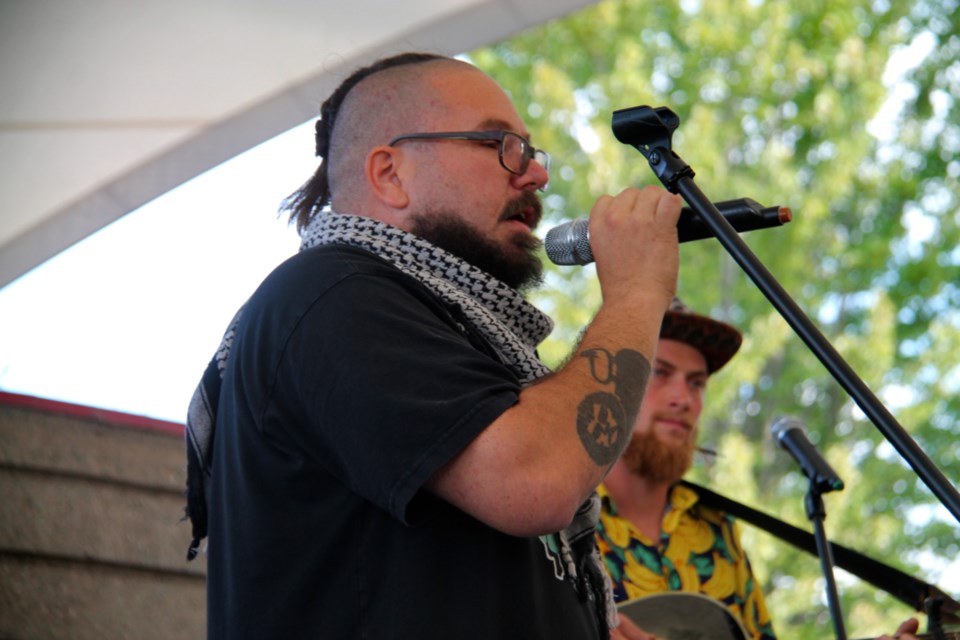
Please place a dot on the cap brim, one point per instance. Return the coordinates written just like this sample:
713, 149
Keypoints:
717, 341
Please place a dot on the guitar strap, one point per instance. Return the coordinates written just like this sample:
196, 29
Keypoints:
912, 591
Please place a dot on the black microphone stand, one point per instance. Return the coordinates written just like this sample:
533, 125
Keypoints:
650, 131
817, 513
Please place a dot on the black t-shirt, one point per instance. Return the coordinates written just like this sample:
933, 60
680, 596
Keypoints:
348, 385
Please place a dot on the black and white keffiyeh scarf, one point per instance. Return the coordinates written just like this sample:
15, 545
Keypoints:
510, 324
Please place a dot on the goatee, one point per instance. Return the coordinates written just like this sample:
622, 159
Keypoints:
649, 457
517, 266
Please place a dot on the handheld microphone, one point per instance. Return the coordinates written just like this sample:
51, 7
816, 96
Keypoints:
569, 243
789, 435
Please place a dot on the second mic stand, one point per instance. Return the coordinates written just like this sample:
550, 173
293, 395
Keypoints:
650, 131
816, 512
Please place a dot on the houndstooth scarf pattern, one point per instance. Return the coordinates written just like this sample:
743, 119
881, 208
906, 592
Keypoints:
511, 325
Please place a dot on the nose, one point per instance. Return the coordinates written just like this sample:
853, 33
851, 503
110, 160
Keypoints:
535, 177
679, 394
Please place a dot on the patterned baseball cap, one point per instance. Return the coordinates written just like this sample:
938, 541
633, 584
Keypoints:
717, 341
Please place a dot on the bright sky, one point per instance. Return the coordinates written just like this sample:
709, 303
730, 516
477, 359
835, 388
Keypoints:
128, 318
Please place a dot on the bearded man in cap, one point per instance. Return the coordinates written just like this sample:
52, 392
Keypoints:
654, 535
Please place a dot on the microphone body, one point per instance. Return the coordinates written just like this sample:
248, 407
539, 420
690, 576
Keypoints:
569, 243
789, 435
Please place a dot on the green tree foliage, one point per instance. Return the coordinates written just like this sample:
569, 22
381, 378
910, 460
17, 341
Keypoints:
788, 103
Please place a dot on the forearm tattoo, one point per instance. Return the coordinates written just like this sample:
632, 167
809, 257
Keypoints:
604, 418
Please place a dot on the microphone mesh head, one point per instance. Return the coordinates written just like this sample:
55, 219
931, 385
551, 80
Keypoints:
569, 243
783, 424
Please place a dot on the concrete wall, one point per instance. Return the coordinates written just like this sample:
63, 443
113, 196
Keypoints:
92, 542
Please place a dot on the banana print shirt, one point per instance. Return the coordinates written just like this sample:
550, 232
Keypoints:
699, 551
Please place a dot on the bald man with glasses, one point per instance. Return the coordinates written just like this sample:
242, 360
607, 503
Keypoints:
376, 450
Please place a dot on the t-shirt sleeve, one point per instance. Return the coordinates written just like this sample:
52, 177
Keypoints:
380, 385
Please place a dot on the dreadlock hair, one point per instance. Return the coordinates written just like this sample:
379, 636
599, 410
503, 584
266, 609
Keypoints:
310, 199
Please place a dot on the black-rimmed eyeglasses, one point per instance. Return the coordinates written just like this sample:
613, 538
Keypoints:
515, 151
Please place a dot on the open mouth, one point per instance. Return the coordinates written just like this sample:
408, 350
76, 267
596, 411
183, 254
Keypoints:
525, 210
526, 216
522, 218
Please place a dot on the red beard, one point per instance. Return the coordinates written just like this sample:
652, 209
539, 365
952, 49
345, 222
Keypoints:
649, 457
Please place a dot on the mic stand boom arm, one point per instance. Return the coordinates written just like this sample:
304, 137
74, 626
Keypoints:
650, 131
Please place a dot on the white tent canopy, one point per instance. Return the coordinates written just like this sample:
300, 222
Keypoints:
108, 104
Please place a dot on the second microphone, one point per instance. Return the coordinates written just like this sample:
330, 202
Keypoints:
569, 243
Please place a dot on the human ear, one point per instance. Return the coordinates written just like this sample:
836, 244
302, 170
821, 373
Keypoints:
384, 172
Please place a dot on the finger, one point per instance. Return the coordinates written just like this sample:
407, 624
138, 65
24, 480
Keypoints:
669, 205
907, 627
600, 207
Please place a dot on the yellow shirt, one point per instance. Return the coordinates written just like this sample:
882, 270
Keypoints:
699, 551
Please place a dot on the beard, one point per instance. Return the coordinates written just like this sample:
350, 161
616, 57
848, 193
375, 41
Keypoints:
651, 458
517, 266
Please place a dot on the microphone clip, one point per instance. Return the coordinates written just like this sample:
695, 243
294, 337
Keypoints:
650, 131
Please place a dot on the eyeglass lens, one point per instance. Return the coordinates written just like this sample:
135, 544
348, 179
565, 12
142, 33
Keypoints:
516, 154
513, 154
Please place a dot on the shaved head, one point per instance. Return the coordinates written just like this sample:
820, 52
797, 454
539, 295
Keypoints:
388, 103
365, 120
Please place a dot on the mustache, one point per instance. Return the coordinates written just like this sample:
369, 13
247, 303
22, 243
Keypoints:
527, 201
